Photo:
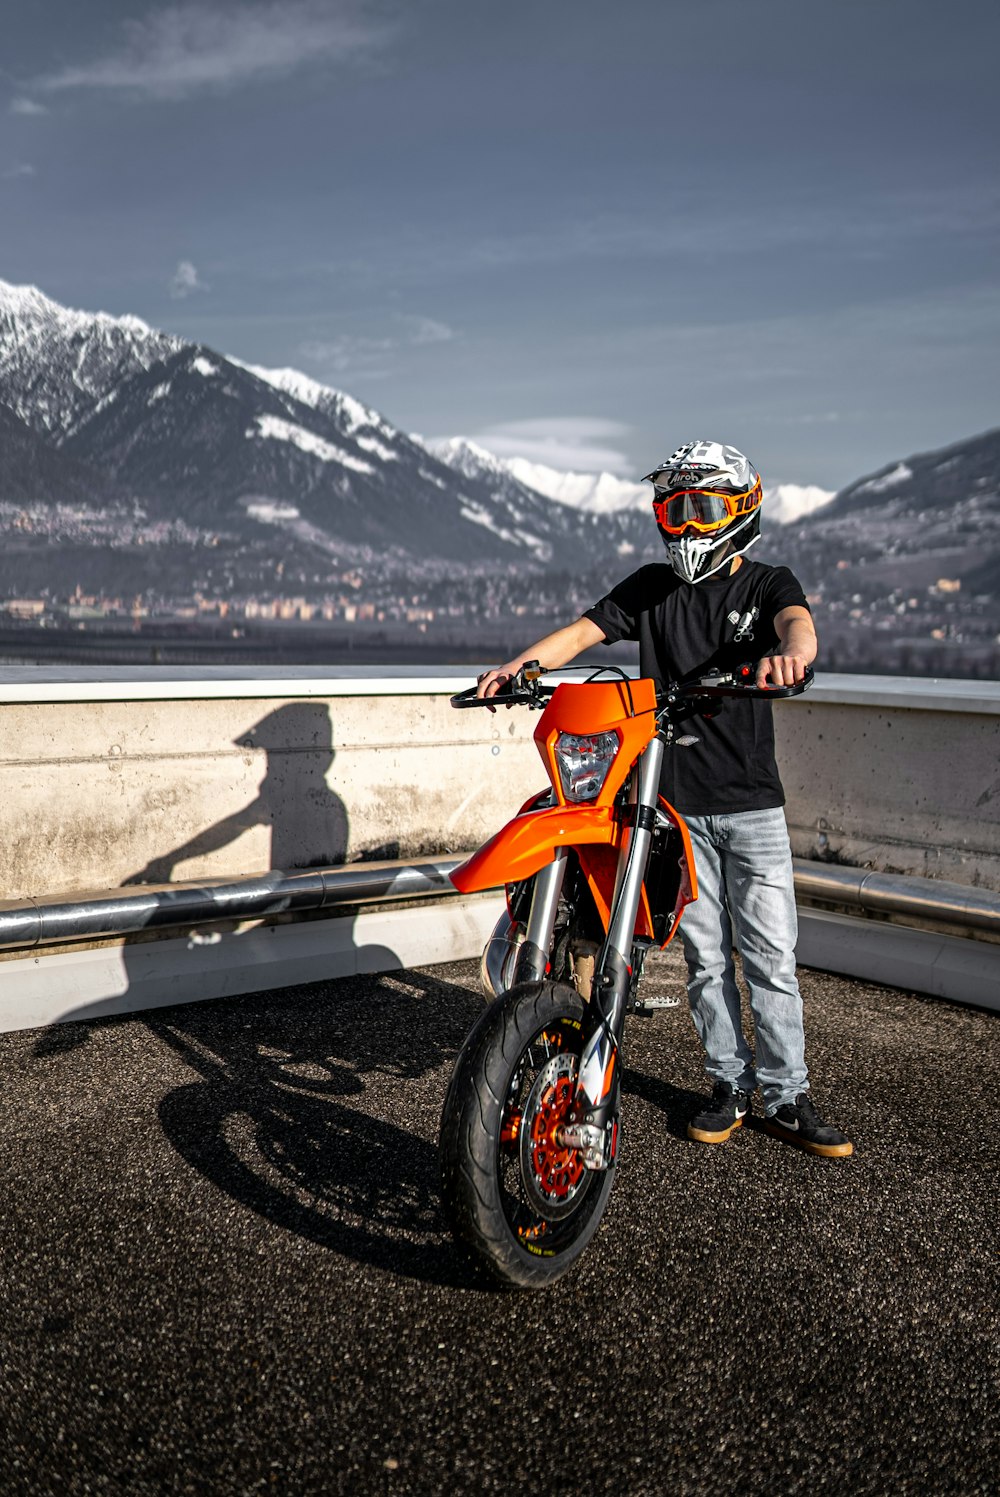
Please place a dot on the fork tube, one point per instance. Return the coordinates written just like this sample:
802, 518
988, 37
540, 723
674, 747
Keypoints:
598, 1087
537, 945
635, 852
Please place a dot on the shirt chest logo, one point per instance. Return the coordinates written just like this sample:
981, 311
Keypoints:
743, 623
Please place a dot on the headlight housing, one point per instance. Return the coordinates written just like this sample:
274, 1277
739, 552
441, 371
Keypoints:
584, 760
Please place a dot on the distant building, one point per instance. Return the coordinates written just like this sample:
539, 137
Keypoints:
24, 608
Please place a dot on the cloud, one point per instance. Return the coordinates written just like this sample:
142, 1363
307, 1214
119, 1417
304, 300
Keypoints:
177, 50
18, 170
349, 354
375, 358
428, 330
578, 443
26, 106
185, 281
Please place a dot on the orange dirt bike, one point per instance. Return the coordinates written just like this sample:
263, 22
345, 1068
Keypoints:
597, 870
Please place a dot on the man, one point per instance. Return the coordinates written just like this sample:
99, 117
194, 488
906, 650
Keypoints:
708, 608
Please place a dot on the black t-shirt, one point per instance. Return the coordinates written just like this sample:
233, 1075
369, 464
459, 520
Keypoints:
686, 629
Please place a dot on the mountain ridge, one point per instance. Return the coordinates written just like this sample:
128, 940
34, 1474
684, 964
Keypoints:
188, 431
189, 472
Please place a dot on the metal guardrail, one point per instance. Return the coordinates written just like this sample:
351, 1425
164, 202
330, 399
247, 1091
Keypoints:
927, 899
122, 912
102, 915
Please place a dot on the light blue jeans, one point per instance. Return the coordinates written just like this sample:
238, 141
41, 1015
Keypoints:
744, 867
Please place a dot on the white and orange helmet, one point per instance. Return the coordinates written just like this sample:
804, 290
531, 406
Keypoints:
706, 500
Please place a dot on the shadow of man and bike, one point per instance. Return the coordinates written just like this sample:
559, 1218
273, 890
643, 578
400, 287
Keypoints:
290, 1112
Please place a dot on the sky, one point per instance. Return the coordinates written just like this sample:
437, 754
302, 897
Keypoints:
577, 231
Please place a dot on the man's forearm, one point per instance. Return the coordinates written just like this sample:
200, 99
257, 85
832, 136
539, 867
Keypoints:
560, 647
798, 637
797, 648
556, 649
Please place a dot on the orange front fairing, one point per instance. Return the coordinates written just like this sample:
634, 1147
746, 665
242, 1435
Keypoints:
530, 841
594, 833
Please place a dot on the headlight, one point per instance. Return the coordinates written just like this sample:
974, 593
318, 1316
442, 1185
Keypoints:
584, 761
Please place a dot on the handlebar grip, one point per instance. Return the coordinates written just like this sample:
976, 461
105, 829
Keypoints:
768, 690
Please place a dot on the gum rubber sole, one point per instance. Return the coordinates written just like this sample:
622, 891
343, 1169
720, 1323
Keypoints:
824, 1151
702, 1137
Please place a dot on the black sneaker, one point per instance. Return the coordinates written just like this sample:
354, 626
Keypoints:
798, 1123
723, 1115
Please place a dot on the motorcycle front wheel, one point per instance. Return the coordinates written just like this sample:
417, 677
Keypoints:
525, 1206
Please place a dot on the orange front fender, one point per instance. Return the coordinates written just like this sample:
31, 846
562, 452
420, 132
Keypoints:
530, 841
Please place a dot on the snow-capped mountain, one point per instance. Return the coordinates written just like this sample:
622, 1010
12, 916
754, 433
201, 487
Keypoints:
158, 455
595, 493
598, 493
932, 515
604, 493
621, 530
267, 458
57, 364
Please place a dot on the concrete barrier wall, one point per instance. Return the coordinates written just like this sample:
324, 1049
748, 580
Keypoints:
124, 775
97, 791
900, 776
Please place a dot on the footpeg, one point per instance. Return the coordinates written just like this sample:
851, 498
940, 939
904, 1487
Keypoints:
650, 1006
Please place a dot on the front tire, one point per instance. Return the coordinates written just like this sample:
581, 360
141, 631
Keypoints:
523, 1205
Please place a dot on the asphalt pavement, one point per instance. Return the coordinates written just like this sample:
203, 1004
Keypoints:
223, 1267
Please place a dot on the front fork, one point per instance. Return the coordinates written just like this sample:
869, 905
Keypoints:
592, 1126
593, 1122
533, 961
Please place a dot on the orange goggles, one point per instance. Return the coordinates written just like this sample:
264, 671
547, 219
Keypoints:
703, 509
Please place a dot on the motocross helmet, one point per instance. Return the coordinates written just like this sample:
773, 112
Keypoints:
706, 499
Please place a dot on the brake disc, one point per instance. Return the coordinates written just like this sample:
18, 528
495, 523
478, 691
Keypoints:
554, 1176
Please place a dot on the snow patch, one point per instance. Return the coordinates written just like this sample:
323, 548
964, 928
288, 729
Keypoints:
786, 502
158, 393
307, 441
308, 391
271, 511
351, 414
204, 366
379, 449
596, 493
899, 474
481, 516
357, 415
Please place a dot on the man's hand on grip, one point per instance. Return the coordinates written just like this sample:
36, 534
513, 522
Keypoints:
780, 670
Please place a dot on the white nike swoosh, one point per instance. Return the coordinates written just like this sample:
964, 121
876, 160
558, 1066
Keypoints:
792, 1127
741, 1114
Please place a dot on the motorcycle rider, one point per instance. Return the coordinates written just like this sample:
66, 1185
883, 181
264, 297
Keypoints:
709, 608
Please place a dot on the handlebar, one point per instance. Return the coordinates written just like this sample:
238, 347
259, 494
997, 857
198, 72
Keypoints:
741, 682
525, 689
522, 689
